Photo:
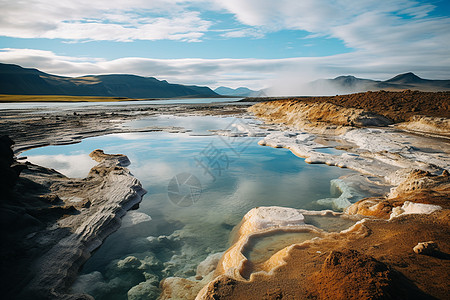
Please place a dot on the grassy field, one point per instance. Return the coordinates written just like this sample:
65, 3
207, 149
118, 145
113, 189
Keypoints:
56, 98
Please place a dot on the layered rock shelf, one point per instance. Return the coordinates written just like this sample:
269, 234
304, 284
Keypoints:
86, 212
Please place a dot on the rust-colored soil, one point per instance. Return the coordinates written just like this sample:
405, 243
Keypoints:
387, 265
349, 274
398, 106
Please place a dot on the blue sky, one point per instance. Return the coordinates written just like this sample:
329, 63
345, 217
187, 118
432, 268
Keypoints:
253, 43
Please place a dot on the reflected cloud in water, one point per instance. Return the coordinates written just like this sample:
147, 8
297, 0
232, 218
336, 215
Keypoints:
74, 166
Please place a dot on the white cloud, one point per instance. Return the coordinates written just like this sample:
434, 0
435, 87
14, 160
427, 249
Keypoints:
366, 24
387, 38
113, 20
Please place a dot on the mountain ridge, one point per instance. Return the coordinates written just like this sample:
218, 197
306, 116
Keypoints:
16, 80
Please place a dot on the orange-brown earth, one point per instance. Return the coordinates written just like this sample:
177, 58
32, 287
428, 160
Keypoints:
423, 112
398, 106
384, 266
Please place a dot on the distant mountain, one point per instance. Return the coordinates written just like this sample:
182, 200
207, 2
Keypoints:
351, 84
407, 78
16, 80
241, 92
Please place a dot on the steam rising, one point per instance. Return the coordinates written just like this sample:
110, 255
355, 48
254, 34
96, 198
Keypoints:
309, 82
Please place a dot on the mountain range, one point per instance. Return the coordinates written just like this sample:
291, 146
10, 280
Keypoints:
15, 80
239, 92
351, 84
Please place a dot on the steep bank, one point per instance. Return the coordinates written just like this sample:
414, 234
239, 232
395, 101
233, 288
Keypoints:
52, 223
316, 117
416, 111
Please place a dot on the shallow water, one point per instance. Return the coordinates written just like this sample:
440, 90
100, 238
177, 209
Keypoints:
67, 105
233, 175
261, 248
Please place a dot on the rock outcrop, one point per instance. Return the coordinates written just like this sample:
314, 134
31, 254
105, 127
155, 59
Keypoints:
9, 168
418, 192
85, 210
422, 112
427, 125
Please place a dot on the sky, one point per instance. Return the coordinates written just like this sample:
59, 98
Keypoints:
233, 43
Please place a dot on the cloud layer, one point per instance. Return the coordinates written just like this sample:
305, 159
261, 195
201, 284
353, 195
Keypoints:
100, 20
285, 75
386, 38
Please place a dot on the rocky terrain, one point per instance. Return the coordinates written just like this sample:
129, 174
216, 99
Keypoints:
35, 127
424, 112
399, 242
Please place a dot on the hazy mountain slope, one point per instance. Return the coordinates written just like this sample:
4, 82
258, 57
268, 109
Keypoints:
241, 91
351, 84
20, 81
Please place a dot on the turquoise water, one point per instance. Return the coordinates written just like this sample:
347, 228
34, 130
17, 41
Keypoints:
238, 176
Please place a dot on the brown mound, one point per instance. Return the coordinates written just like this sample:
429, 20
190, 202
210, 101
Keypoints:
397, 106
390, 243
348, 274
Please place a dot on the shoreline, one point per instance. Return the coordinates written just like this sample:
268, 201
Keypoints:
105, 121
4, 98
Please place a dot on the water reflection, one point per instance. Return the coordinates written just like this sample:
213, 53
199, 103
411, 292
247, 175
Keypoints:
168, 240
72, 165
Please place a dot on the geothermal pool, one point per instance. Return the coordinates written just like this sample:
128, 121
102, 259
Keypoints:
178, 225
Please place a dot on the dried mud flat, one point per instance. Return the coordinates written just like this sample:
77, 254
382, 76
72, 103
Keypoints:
374, 259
